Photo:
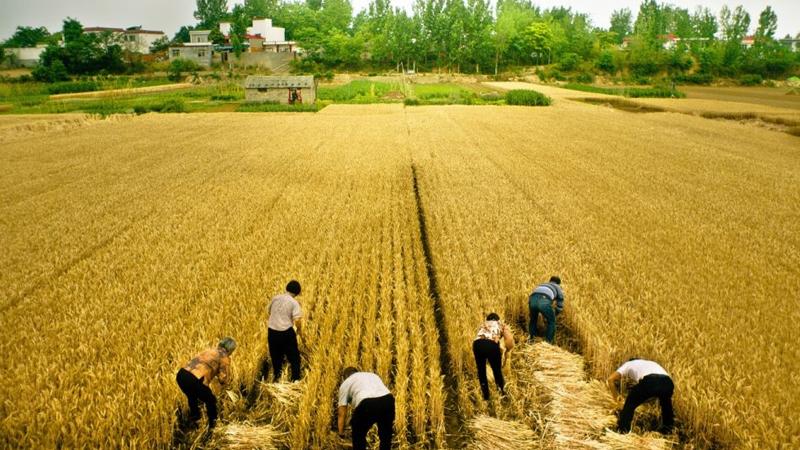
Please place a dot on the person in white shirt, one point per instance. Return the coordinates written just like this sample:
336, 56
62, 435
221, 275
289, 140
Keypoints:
372, 404
652, 381
284, 315
486, 347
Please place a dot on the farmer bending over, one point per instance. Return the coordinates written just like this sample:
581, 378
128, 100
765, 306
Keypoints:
486, 347
371, 402
652, 381
541, 300
195, 377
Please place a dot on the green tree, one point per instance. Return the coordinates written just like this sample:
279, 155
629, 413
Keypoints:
183, 34
704, 24
160, 45
82, 53
621, 24
239, 23
216, 37
335, 15
681, 23
539, 38
767, 26
734, 26
651, 22
27, 37
261, 8
210, 13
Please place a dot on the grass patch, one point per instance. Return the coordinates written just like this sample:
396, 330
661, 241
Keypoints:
278, 107
69, 87
32, 98
526, 97
651, 92
360, 91
451, 94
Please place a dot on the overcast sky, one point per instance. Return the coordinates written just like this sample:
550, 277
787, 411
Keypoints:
169, 15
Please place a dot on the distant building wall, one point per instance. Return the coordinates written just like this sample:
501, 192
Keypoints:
278, 89
200, 54
26, 57
275, 62
141, 42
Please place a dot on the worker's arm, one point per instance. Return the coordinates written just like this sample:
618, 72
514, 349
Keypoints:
224, 370
342, 415
508, 338
611, 382
559, 303
298, 324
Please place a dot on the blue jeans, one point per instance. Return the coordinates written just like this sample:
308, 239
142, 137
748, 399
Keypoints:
540, 303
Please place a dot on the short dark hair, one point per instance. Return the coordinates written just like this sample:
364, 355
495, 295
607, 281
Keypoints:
555, 279
492, 316
347, 371
633, 359
293, 287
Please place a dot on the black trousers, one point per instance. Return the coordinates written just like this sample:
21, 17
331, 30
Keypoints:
659, 386
370, 411
487, 350
283, 344
197, 392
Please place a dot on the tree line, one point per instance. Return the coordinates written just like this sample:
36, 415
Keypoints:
469, 36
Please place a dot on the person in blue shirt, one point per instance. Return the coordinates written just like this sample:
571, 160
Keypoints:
547, 299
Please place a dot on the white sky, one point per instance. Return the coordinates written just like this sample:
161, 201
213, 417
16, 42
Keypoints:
169, 15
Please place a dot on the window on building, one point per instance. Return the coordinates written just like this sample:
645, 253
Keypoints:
262, 89
176, 53
201, 53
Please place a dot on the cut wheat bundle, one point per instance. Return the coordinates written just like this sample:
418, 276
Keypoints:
489, 432
246, 436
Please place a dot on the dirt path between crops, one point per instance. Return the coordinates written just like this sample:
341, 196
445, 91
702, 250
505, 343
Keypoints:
119, 92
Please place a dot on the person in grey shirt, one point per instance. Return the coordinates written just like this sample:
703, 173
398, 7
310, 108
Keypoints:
371, 402
541, 301
285, 314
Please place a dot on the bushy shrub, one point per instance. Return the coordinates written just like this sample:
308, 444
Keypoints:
56, 71
751, 80
411, 102
179, 66
584, 77
525, 97
606, 63
72, 86
569, 62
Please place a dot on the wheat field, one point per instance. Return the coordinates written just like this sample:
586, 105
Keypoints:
131, 244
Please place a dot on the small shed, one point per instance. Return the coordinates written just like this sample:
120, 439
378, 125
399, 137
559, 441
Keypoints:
280, 89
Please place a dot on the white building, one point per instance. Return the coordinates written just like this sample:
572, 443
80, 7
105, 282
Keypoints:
262, 36
25, 57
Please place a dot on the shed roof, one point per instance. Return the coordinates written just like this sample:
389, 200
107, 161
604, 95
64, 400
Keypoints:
255, 82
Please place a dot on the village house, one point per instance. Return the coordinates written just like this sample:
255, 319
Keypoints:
133, 39
262, 37
199, 49
24, 56
280, 89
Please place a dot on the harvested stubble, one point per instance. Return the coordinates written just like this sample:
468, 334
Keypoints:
489, 432
580, 410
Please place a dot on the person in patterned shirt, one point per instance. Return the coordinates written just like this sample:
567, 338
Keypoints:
194, 379
486, 347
